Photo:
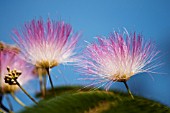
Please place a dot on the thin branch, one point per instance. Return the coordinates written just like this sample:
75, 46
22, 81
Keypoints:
25, 91
18, 100
41, 85
45, 82
1, 104
128, 90
47, 69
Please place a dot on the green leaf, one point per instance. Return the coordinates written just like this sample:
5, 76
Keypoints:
70, 100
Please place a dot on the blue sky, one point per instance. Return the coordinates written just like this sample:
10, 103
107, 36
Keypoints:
94, 18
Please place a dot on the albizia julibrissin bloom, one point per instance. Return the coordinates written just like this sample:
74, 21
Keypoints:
47, 44
117, 58
9, 58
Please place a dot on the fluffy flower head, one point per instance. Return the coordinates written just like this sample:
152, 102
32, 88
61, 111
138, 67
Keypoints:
117, 58
48, 44
9, 58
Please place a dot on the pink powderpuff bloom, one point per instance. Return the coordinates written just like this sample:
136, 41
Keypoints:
9, 57
46, 45
117, 58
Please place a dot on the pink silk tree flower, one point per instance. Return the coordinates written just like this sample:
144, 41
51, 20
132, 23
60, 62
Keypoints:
14, 72
117, 59
48, 44
9, 58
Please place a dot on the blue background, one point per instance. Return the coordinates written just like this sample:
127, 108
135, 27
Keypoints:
98, 17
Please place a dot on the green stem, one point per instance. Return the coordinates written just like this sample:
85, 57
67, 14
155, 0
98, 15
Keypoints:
5, 110
128, 90
9, 103
2, 106
18, 100
44, 81
41, 85
25, 92
47, 69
